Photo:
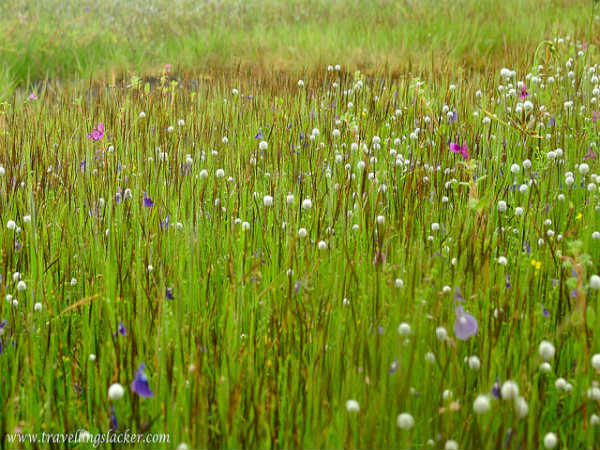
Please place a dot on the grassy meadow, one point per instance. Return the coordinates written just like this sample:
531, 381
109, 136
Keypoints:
305, 224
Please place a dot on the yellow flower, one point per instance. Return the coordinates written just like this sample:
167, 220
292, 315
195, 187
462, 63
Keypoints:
536, 264
579, 216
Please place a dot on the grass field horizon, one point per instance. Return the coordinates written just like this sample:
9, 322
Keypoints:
307, 224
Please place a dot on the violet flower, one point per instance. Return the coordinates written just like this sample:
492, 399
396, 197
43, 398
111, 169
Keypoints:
140, 384
465, 325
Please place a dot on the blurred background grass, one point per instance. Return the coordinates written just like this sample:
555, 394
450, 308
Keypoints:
59, 40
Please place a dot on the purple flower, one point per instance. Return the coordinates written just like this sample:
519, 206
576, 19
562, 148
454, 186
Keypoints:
97, 133
545, 311
551, 121
140, 384
259, 135
465, 325
169, 294
164, 224
454, 117
114, 425
148, 202
591, 154
379, 257
393, 367
496, 388
507, 284
122, 329
457, 148
458, 297
524, 94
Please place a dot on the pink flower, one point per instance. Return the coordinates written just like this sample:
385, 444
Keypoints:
32, 96
97, 133
167, 67
456, 148
524, 93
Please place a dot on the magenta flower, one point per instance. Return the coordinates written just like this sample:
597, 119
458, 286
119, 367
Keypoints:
97, 133
465, 325
524, 94
32, 96
591, 154
457, 148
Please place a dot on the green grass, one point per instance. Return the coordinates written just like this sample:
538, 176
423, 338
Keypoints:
269, 333
60, 40
249, 354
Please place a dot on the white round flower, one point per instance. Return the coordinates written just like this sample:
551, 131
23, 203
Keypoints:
245, 226
322, 245
405, 421
502, 260
220, 173
306, 203
560, 384
352, 406
595, 282
21, 286
550, 440
302, 232
116, 392
502, 206
289, 199
527, 164
11, 225
451, 445
430, 357
481, 405
474, 363
92, 357
594, 420
37, 307
593, 393
584, 168
399, 283
515, 169
545, 367
596, 361
441, 333
546, 350
509, 390
380, 220
404, 329
268, 200
435, 226
521, 407
518, 211
263, 145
